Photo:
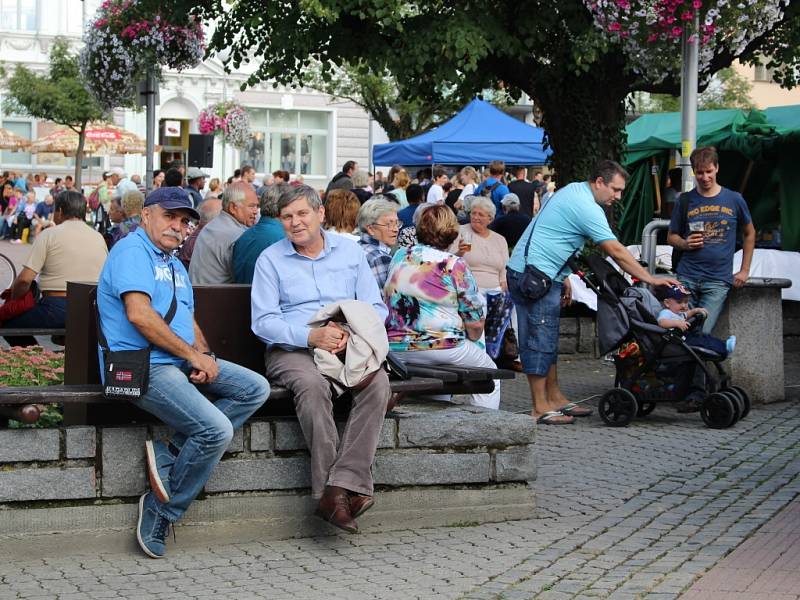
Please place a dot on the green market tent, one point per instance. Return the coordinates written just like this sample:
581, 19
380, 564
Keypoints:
759, 152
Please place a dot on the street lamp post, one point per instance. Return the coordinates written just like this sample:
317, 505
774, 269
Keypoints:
689, 74
223, 56
148, 92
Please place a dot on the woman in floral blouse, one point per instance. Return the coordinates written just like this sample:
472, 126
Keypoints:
435, 309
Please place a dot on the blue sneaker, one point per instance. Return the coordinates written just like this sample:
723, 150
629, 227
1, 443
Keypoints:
159, 464
151, 531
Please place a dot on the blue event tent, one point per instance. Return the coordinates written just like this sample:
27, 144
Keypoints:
480, 133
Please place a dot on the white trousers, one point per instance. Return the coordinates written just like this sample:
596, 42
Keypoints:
468, 354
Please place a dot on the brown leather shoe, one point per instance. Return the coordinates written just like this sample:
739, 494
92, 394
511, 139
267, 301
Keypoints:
359, 504
393, 400
334, 507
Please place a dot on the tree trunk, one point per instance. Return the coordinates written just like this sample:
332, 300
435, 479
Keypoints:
79, 156
585, 120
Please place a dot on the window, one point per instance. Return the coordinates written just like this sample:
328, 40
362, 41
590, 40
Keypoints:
762, 73
19, 15
289, 140
22, 129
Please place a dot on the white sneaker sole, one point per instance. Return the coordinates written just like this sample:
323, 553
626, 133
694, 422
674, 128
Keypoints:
152, 473
142, 545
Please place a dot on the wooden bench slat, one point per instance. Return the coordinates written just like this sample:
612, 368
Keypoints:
479, 373
433, 373
92, 394
14, 331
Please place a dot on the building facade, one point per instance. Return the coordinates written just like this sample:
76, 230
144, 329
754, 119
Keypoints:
298, 130
765, 92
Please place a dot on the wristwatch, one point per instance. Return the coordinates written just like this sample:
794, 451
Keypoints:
211, 354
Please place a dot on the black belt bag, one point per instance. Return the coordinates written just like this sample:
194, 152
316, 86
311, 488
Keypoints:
533, 283
126, 373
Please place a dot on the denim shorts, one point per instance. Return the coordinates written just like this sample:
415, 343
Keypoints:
538, 326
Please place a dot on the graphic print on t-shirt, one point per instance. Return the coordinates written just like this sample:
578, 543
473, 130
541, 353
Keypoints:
716, 219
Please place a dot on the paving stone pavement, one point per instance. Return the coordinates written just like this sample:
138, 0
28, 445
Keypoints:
637, 512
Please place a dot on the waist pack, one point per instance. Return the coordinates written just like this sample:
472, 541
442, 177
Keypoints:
533, 283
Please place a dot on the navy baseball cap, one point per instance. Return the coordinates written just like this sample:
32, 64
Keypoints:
172, 198
674, 291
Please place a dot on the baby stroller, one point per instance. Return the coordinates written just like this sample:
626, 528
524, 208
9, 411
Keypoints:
653, 364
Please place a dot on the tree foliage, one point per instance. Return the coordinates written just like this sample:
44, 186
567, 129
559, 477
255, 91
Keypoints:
728, 89
58, 96
399, 112
553, 51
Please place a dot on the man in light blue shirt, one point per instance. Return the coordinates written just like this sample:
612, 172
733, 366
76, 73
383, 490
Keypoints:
560, 229
293, 279
145, 299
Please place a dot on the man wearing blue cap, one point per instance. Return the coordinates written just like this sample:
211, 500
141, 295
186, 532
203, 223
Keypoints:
141, 283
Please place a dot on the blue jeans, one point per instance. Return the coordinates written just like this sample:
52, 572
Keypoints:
204, 428
49, 313
710, 295
538, 323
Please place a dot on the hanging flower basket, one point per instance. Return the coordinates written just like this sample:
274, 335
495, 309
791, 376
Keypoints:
651, 31
124, 41
228, 120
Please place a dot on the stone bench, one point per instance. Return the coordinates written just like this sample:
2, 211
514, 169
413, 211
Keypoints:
753, 313
437, 463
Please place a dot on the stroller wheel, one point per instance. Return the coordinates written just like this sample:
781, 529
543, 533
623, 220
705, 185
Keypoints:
738, 405
644, 407
618, 407
738, 391
717, 411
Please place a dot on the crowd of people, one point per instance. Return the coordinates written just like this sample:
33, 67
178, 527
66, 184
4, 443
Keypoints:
407, 264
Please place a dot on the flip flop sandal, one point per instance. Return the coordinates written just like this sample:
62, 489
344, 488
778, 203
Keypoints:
549, 417
574, 410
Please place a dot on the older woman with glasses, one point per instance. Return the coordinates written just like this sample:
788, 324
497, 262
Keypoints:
485, 251
378, 223
435, 310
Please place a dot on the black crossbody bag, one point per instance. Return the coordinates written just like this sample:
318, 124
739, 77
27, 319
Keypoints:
533, 283
126, 373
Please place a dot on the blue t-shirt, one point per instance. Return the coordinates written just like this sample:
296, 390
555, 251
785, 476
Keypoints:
135, 264
498, 193
251, 244
721, 216
563, 225
44, 210
672, 316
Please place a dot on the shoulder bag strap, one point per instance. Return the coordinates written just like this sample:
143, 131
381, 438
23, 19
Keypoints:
530, 237
173, 308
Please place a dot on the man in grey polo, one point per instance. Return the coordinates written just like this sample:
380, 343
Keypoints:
212, 258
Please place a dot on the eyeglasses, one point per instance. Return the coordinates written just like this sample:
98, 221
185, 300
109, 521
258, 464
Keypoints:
390, 224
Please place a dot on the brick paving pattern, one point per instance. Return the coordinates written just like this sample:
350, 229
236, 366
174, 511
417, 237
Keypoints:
767, 565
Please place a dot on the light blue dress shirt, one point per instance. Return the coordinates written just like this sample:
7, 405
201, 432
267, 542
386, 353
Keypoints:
289, 288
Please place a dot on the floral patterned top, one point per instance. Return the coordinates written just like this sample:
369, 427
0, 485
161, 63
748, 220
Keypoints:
430, 294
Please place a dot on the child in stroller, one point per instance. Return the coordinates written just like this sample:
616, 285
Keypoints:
676, 314
655, 364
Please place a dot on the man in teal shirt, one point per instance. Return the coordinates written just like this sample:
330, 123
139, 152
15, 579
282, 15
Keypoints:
573, 215
263, 234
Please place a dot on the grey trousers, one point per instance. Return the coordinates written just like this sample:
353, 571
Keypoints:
347, 463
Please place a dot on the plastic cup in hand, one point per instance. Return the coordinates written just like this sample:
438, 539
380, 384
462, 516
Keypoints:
466, 240
696, 227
